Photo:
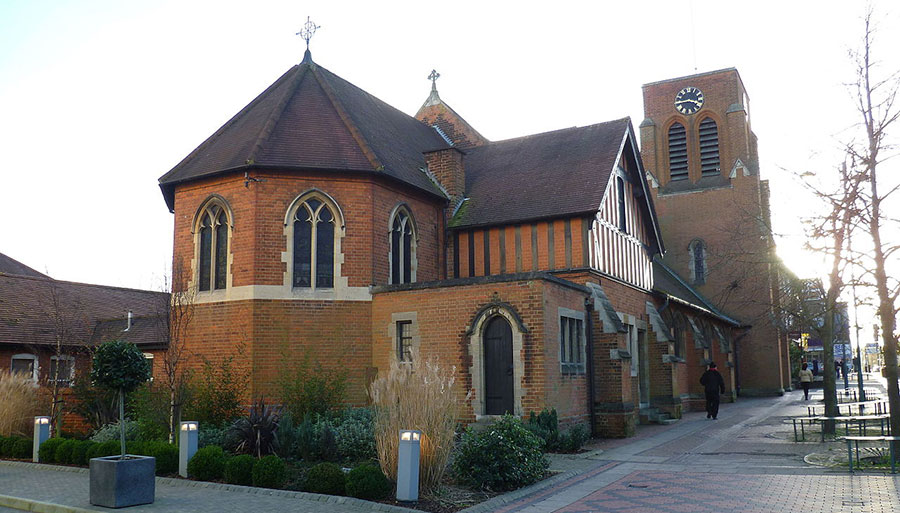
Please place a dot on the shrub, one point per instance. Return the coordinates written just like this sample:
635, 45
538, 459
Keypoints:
287, 435
307, 388
113, 432
545, 426
239, 470
218, 389
269, 472
79, 453
418, 396
136, 447
18, 404
64, 451
109, 448
505, 457
47, 450
23, 448
326, 478
166, 455
255, 434
367, 481
207, 464
6, 447
211, 435
150, 410
101, 450
573, 439
97, 406
315, 440
355, 435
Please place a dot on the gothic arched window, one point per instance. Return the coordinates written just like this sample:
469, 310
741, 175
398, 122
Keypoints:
212, 246
314, 228
698, 262
403, 248
709, 148
678, 161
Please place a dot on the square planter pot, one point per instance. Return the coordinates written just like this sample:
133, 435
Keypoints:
117, 483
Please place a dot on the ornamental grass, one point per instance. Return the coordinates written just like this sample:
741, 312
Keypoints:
18, 404
416, 395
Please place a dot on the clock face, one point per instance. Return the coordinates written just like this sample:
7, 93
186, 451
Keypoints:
688, 100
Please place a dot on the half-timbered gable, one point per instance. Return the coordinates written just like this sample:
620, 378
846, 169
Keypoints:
624, 234
562, 200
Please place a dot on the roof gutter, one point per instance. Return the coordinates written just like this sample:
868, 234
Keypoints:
168, 187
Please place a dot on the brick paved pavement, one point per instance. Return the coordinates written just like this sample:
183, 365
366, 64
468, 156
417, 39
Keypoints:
744, 462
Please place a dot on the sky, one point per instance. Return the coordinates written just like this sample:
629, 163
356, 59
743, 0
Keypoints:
98, 99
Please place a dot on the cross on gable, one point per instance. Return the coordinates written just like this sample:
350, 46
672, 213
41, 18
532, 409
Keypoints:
433, 76
308, 31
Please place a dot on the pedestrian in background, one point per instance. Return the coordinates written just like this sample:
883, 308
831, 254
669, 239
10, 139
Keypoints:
806, 378
713, 384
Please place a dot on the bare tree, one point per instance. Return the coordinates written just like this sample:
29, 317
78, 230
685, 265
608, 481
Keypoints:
875, 95
69, 328
174, 319
809, 303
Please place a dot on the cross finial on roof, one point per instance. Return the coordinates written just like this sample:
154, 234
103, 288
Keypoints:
433, 76
308, 31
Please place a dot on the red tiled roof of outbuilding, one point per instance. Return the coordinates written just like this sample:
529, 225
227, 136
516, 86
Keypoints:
10, 266
30, 306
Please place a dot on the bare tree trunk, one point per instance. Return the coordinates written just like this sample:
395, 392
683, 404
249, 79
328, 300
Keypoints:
877, 116
122, 420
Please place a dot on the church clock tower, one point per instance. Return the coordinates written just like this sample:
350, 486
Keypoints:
702, 164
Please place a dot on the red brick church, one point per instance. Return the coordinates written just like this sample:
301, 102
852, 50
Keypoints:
321, 222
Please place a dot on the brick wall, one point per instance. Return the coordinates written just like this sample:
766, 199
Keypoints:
258, 238
445, 314
728, 217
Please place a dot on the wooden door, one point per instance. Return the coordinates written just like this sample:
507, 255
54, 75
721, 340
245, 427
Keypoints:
498, 367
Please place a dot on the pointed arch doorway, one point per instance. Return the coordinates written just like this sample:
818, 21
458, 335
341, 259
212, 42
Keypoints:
499, 375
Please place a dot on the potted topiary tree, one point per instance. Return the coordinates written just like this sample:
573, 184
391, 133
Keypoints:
126, 480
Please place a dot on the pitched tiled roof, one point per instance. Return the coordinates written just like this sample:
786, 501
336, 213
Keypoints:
312, 119
668, 282
553, 174
148, 332
10, 266
28, 311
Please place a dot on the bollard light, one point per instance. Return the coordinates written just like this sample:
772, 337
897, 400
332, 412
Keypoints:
41, 434
408, 465
187, 445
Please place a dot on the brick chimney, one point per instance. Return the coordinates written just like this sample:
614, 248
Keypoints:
447, 166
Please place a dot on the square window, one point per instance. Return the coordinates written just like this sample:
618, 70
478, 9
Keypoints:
404, 341
66, 365
571, 345
25, 365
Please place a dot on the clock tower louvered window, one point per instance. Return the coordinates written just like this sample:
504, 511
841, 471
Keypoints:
709, 148
678, 162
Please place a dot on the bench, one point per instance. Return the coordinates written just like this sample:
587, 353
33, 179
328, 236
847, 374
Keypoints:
855, 440
851, 393
861, 422
880, 406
